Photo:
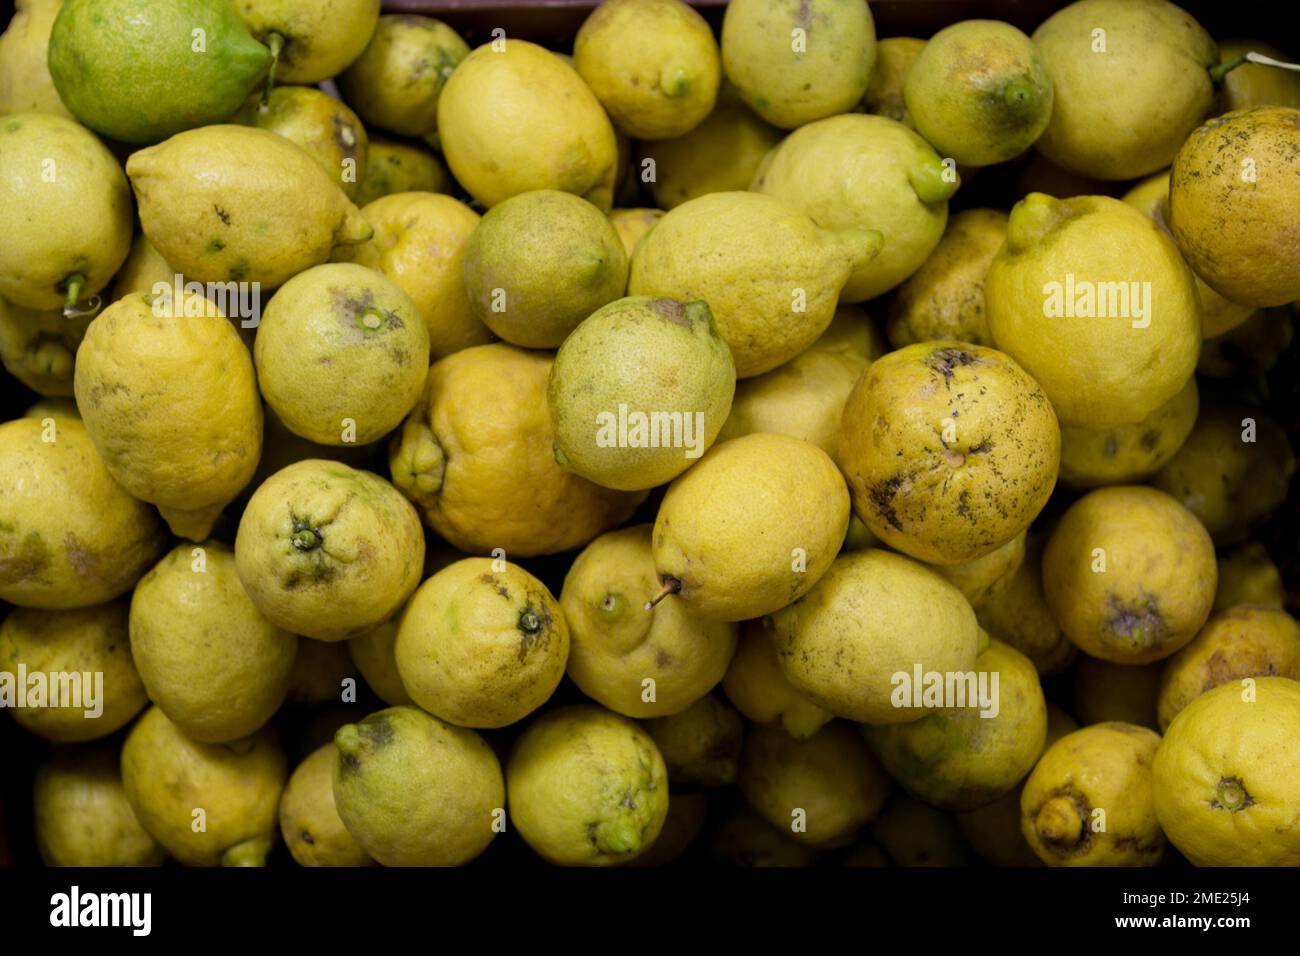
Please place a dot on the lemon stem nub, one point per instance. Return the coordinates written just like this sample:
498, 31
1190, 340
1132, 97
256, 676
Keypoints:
305, 539
670, 586
529, 622
1059, 823
275, 43
1018, 95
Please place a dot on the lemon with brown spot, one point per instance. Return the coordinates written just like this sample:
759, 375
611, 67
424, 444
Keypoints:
1090, 801
1130, 574
70, 536
482, 643
1241, 643
950, 450
328, 551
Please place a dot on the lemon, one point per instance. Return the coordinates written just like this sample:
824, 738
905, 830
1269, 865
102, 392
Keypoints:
476, 458
374, 654
539, 263
321, 125
1125, 454
700, 745
38, 346
1129, 573
82, 817
1018, 613
328, 551
780, 276
1254, 84
414, 791
1218, 315
804, 398
1090, 801
636, 662
25, 81
322, 673
238, 204
850, 664
1245, 162
1240, 643
993, 831
519, 119
70, 536
1131, 80
721, 154
398, 78
964, 756
318, 37
743, 838
652, 371
750, 528
419, 243
141, 70
309, 822
341, 354
866, 172
232, 789
884, 95
97, 689
1232, 472
687, 814
979, 92
54, 408
1227, 780
166, 390
1093, 279
944, 298
795, 62
211, 662
65, 211
653, 64
915, 834
1107, 691
1247, 575
982, 579
949, 450
393, 166
1252, 348
759, 689
482, 644
632, 225
822, 790
587, 787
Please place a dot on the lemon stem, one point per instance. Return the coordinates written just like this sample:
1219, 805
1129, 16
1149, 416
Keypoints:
1217, 73
72, 285
670, 586
275, 43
